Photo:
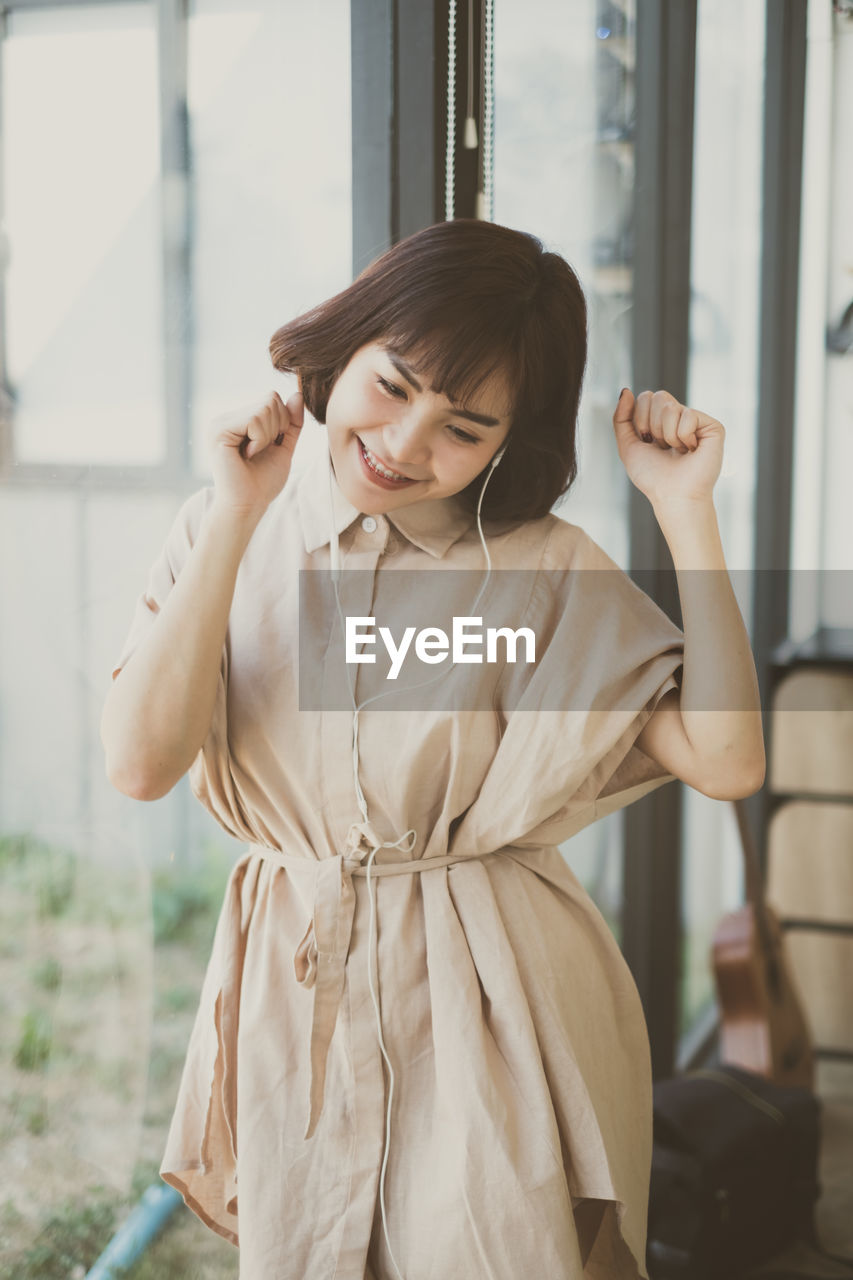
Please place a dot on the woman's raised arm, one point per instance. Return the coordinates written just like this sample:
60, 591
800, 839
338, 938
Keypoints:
159, 709
710, 735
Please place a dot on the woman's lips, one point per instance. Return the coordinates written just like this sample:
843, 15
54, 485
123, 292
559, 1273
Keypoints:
384, 482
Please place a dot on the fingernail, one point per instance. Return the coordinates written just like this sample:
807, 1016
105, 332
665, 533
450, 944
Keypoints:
622, 392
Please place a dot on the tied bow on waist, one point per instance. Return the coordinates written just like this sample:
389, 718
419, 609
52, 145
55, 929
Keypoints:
319, 961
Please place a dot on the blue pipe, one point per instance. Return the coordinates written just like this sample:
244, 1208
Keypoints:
132, 1239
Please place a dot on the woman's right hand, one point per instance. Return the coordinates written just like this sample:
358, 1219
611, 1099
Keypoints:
251, 453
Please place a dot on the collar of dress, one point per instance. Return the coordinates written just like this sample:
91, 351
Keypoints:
432, 525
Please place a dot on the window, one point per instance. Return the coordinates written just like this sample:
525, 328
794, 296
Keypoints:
723, 381
142, 285
271, 178
564, 170
83, 313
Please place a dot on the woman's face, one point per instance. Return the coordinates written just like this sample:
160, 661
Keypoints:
394, 441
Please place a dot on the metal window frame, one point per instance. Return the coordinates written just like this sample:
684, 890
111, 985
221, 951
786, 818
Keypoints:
399, 97
373, 140
784, 106
652, 925
176, 471
665, 61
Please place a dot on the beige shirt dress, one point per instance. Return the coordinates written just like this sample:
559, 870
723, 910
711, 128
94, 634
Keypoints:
519, 1049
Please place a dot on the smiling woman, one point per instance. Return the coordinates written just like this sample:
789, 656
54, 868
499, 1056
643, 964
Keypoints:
490, 329
402, 903
394, 444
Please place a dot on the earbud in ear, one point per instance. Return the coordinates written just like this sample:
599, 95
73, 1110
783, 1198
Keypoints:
496, 459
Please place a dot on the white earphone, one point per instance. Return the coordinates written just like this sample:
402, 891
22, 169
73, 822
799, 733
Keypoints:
411, 835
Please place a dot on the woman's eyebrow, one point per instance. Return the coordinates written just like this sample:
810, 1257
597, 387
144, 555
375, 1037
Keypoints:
406, 372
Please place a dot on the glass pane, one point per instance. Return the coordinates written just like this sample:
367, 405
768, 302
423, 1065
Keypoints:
564, 170
83, 286
271, 175
723, 381
107, 905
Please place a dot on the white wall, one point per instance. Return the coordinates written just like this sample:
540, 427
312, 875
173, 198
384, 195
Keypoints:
71, 568
822, 535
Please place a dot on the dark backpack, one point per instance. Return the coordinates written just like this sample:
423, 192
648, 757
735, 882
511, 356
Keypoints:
734, 1173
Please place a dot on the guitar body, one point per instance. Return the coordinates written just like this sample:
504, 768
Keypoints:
762, 1025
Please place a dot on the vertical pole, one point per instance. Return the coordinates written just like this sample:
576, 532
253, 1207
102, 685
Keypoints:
784, 105
399, 107
373, 129
665, 62
421, 98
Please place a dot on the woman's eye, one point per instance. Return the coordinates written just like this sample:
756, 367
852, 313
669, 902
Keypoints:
391, 388
465, 435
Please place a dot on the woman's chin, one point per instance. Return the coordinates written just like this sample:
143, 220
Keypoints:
365, 497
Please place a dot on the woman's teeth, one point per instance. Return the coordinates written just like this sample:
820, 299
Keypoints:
375, 465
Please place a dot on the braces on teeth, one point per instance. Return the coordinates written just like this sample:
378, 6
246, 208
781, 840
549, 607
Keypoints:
376, 466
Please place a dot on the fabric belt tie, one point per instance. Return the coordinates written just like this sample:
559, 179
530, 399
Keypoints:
319, 961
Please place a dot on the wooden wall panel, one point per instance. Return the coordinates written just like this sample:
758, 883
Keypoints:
810, 861
822, 965
811, 733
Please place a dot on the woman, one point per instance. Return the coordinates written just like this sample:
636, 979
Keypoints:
418, 1050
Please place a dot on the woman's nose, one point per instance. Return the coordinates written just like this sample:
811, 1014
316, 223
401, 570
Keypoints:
406, 440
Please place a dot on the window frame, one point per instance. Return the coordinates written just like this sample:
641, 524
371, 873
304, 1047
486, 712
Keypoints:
176, 472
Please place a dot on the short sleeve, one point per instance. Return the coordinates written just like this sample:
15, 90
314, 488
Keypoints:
606, 655
638, 657
164, 572
210, 775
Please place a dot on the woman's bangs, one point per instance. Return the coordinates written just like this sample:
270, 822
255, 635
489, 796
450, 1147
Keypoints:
458, 361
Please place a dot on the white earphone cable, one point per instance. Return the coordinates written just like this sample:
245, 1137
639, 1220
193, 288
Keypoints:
407, 841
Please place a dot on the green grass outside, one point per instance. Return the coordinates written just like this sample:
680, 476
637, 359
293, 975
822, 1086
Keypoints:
43, 895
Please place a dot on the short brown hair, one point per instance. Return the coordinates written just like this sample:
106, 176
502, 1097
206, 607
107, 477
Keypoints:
460, 300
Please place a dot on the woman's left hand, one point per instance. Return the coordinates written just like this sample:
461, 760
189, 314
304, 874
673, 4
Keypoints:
671, 453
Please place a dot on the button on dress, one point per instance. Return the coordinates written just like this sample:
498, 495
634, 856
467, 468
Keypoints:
520, 1125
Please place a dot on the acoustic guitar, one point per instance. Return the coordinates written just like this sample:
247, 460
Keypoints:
762, 1024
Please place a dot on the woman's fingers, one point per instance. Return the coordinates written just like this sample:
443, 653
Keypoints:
675, 429
252, 437
642, 415
670, 416
252, 450
660, 419
259, 428
661, 427
688, 424
296, 408
292, 418
273, 423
